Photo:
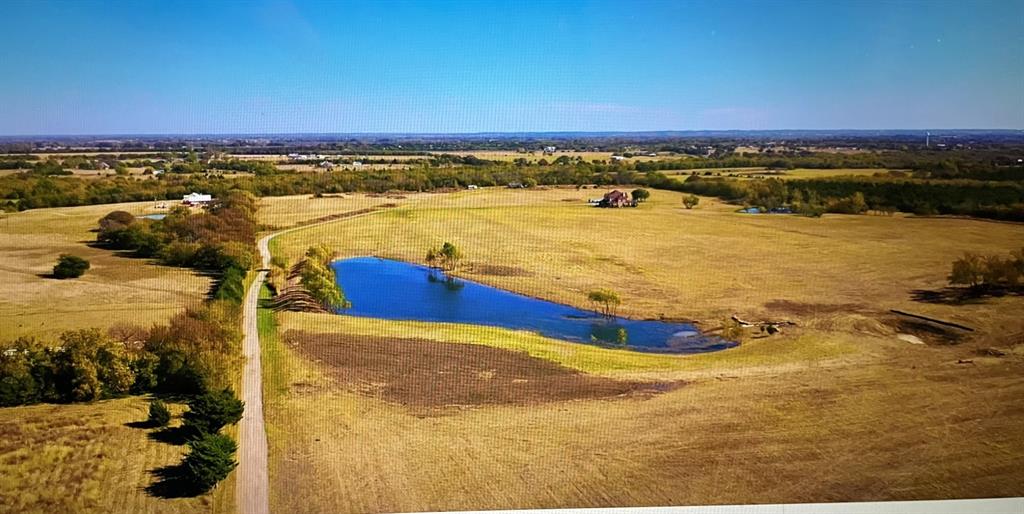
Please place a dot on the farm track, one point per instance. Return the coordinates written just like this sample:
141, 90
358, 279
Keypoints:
252, 492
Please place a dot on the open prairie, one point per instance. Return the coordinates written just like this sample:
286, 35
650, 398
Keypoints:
84, 457
116, 289
666, 261
95, 457
837, 408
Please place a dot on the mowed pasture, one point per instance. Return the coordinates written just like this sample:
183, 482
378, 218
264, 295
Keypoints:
834, 409
95, 457
116, 289
666, 261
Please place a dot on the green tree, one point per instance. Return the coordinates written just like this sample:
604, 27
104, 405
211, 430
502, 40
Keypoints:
450, 255
70, 266
605, 300
210, 459
641, 195
691, 201
208, 413
159, 415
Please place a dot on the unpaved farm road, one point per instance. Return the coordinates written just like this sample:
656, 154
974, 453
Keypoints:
252, 493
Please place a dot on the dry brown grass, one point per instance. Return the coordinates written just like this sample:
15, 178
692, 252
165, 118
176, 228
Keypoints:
116, 289
837, 409
87, 458
704, 264
891, 422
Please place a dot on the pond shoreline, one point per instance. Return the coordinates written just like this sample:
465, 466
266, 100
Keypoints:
394, 289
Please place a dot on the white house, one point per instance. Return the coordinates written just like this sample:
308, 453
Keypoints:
618, 158
549, 149
196, 199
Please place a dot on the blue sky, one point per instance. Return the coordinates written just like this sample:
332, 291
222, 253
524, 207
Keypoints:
242, 67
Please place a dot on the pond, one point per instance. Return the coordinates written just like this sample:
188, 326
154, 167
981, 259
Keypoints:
388, 289
154, 216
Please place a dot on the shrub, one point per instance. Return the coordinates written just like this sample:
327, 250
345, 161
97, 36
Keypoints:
210, 459
232, 286
641, 195
159, 415
70, 266
691, 201
209, 412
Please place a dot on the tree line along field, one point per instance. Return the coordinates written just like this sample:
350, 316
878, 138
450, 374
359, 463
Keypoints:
838, 408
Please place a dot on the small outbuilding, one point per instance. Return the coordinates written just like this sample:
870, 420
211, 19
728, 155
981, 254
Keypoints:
196, 199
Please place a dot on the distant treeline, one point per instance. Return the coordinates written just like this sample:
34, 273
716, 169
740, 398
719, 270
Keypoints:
854, 195
999, 200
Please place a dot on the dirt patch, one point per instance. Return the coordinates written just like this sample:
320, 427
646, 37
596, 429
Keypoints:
424, 373
804, 309
499, 270
929, 333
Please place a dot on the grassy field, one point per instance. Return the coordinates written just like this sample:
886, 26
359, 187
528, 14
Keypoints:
89, 458
835, 409
288, 211
116, 289
702, 264
83, 457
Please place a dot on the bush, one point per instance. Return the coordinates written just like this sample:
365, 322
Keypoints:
208, 413
641, 195
691, 201
210, 459
70, 266
159, 416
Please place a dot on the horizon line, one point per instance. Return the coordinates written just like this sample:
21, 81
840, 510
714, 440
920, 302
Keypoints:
517, 132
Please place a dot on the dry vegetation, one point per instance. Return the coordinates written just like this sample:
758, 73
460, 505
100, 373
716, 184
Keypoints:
116, 289
91, 457
836, 409
703, 264
83, 457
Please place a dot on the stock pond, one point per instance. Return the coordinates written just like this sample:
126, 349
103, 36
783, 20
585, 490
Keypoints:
387, 289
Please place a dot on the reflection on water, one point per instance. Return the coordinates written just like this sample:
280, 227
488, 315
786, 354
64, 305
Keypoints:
388, 289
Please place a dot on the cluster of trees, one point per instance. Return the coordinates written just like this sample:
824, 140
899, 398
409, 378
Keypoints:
211, 455
318, 278
195, 352
220, 239
988, 271
605, 300
445, 257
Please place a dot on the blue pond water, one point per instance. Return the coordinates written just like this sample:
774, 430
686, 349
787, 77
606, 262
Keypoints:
382, 288
154, 216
